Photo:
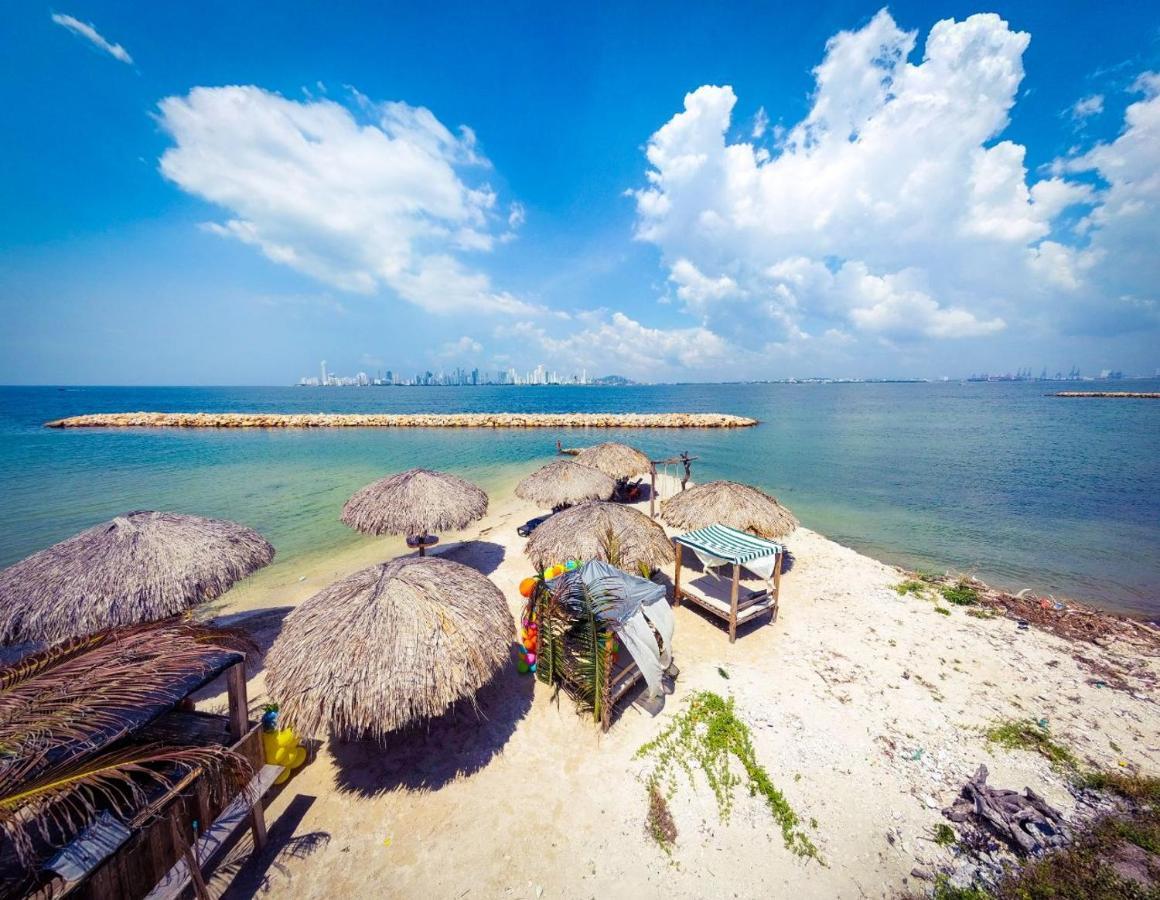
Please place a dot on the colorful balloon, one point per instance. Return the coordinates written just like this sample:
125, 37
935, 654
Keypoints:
527, 586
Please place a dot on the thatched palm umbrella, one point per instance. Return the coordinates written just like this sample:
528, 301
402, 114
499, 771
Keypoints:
729, 503
140, 567
615, 533
415, 503
616, 460
565, 482
388, 645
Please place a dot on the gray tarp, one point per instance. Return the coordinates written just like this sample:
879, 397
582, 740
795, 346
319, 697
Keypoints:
629, 604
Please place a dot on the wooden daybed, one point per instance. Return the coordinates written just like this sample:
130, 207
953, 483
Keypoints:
721, 545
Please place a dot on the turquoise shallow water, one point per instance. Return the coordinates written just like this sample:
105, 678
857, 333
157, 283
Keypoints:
997, 479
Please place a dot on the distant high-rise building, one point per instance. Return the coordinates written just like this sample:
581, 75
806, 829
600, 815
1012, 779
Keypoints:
322, 369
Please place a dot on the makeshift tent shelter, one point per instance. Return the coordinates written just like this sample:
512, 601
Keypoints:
618, 534
576, 615
416, 503
729, 503
105, 768
140, 567
718, 545
563, 483
388, 645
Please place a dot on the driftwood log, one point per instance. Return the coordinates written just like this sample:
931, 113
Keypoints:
1027, 822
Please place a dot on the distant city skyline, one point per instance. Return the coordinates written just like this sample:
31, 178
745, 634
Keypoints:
459, 377
541, 375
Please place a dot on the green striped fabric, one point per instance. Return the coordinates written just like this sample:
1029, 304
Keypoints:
728, 543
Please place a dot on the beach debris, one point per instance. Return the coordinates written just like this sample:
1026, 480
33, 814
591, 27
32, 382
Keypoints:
1026, 822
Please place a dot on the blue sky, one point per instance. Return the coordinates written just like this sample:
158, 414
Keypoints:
228, 193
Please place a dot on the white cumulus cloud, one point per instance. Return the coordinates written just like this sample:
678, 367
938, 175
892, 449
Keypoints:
614, 343
94, 37
894, 209
465, 346
379, 196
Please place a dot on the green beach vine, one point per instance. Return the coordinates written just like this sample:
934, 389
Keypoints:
707, 737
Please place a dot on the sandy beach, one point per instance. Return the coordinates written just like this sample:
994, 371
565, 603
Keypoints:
867, 708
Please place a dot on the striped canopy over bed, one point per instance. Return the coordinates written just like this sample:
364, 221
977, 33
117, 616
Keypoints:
717, 545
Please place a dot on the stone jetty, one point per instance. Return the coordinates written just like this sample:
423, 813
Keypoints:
409, 420
1130, 395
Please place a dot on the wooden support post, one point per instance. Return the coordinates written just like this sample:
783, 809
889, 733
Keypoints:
677, 575
652, 490
777, 576
606, 701
422, 545
258, 825
239, 725
189, 855
733, 602
239, 704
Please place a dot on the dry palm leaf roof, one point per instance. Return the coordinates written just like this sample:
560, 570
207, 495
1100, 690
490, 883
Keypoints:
395, 643
140, 567
415, 502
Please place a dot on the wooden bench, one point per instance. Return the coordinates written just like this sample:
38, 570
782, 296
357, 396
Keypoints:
245, 807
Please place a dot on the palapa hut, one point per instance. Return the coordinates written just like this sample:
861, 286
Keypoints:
387, 646
729, 503
617, 534
140, 567
563, 483
416, 503
615, 460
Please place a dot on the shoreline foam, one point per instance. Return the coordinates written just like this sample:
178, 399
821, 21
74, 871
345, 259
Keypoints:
402, 420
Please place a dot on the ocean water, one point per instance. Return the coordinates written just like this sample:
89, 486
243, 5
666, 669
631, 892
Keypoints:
1022, 489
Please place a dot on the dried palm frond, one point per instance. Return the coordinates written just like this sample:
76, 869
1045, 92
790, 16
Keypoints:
81, 695
67, 715
42, 813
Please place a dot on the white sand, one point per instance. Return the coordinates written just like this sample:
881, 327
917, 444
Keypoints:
842, 693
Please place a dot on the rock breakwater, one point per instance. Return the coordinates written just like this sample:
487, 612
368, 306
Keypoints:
1119, 395
401, 420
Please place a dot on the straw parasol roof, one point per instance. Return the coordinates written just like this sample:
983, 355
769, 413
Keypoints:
729, 503
139, 567
388, 645
617, 460
587, 530
415, 502
564, 482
